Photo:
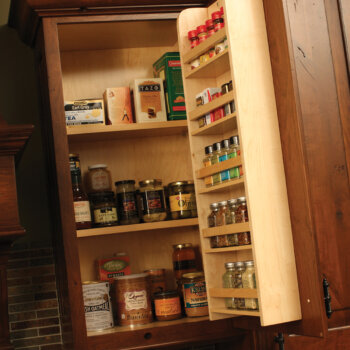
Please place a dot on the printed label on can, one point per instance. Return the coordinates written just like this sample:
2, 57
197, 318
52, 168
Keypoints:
135, 300
167, 307
195, 295
180, 202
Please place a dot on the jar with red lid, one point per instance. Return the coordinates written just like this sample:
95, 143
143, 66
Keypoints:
218, 20
202, 33
210, 27
193, 38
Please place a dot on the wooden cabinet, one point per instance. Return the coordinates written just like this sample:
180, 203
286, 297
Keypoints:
288, 132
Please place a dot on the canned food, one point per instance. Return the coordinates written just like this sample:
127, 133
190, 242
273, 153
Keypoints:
97, 306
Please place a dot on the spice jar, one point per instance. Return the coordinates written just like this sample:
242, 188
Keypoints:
215, 159
182, 200
193, 38
214, 207
219, 241
207, 162
126, 202
132, 299
184, 259
153, 200
202, 33
239, 269
233, 153
98, 178
225, 144
210, 27
241, 213
104, 209
228, 280
248, 281
232, 239
157, 280
223, 216
167, 305
195, 294
218, 20
244, 238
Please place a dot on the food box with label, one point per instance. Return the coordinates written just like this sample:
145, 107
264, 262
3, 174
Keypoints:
84, 112
109, 268
168, 68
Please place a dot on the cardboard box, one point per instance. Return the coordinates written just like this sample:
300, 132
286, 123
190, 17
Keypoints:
112, 267
84, 112
118, 105
149, 100
168, 68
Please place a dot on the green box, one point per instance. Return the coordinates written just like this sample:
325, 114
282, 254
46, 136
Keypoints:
168, 67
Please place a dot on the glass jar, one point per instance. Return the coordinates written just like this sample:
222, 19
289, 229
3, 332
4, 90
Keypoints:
218, 20
195, 294
184, 259
239, 270
241, 213
208, 181
126, 202
232, 206
219, 241
232, 239
210, 27
157, 280
225, 144
214, 160
202, 33
214, 207
232, 153
244, 238
98, 179
167, 305
104, 209
248, 281
193, 38
74, 163
153, 200
223, 216
228, 280
182, 200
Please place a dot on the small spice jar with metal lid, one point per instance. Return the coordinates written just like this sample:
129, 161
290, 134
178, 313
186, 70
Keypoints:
193, 38
126, 202
241, 213
210, 27
153, 200
214, 207
98, 179
223, 216
244, 238
239, 270
167, 305
219, 241
202, 33
104, 209
228, 280
182, 200
248, 281
195, 294
218, 20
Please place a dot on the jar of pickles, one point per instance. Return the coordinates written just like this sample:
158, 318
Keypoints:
126, 202
182, 200
241, 213
153, 200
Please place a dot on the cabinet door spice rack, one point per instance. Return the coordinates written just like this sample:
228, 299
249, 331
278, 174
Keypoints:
246, 62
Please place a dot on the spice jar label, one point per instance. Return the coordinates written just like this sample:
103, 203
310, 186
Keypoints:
135, 300
180, 202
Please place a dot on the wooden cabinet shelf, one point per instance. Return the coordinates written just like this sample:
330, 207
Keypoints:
210, 106
224, 187
228, 122
226, 229
103, 132
204, 47
215, 66
236, 312
233, 293
217, 168
228, 249
160, 225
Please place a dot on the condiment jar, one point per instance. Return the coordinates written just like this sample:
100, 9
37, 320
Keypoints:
228, 280
182, 200
202, 33
98, 179
233, 153
244, 238
167, 305
248, 281
126, 202
223, 216
214, 160
239, 269
214, 207
153, 200
193, 38
195, 294
184, 259
225, 144
208, 181
218, 20
232, 206
104, 208
210, 27
157, 280
219, 241
241, 213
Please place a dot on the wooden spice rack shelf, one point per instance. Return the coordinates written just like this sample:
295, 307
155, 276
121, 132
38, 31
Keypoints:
216, 168
205, 45
160, 225
233, 293
228, 249
210, 106
222, 187
226, 229
103, 132
228, 122
235, 312
212, 68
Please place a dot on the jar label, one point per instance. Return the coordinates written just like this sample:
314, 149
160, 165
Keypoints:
82, 211
195, 295
105, 215
153, 202
208, 180
167, 307
135, 300
126, 203
180, 202
184, 265
99, 180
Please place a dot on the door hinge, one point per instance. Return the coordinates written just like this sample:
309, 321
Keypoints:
327, 298
279, 339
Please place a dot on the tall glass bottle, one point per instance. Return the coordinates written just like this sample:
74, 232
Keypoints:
215, 158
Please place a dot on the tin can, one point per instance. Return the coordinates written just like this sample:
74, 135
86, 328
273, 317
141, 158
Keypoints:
97, 306
132, 297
